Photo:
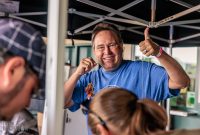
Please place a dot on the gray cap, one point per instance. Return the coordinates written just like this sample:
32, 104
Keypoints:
21, 39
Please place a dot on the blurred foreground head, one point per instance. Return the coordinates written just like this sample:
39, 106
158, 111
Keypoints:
118, 111
22, 66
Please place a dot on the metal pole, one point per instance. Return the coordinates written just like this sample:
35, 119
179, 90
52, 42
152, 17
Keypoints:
55, 66
133, 47
197, 86
153, 10
168, 107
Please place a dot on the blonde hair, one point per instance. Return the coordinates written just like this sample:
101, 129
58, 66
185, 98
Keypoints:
123, 110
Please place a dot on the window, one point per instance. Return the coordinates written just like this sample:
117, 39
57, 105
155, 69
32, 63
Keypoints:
73, 54
187, 57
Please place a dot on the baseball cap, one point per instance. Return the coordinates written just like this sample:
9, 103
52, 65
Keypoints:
21, 39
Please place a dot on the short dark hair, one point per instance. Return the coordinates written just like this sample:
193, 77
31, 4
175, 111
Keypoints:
106, 26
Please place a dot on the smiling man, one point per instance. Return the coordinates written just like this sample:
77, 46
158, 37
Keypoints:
146, 80
156, 82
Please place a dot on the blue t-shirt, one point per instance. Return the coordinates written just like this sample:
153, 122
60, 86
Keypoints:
146, 80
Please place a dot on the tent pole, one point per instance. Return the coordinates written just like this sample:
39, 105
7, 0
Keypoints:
153, 10
108, 15
55, 67
168, 107
197, 86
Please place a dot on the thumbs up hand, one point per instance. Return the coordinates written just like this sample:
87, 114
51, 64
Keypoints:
147, 46
146, 34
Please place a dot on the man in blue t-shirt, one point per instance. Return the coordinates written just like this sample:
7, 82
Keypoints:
146, 80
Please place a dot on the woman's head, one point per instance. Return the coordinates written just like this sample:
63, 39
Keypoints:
124, 113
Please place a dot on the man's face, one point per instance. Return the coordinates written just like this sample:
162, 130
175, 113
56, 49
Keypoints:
21, 92
107, 50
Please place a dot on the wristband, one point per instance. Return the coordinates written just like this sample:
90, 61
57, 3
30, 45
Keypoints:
160, 52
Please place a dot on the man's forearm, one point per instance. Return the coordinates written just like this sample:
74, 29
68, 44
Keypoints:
69, 88
177, 76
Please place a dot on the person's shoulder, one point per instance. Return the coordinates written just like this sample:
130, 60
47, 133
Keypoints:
137, 62
92, 73
187, 132
181, 132
128, 62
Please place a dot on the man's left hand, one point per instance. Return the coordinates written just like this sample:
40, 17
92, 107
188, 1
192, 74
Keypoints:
147, 46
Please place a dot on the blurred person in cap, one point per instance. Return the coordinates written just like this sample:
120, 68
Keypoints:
22, 68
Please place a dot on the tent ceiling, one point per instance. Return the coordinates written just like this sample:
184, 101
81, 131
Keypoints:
178, 20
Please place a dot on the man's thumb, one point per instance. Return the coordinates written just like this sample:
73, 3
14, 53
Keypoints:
146, 34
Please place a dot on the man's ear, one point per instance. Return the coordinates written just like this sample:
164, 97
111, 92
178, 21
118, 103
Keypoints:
12, 71
102, 130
